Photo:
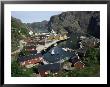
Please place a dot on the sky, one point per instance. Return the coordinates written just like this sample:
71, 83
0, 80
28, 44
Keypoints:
34, 16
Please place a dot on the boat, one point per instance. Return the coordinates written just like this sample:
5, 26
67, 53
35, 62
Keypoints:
52, 52
64, 49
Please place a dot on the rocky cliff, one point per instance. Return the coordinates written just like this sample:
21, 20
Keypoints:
76, 21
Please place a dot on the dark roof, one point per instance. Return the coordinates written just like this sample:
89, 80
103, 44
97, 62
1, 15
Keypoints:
29, 57
42, 35
31, 43
33, 52
51, 67
74, 59
23, 53
30, 47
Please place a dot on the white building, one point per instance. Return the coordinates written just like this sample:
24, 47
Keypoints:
53, 32
30, 32
82, 37
36, 34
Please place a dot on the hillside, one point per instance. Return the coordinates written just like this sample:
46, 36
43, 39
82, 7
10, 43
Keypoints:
76, 21
39, 27
18, 32
87, 22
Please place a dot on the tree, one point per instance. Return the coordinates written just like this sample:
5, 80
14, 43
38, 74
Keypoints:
17, 71
92, 56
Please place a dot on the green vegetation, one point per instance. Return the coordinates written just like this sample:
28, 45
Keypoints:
18, 32
92, 71
14, 57
39, 27
18, 71
92, 56
71, 42
24, 52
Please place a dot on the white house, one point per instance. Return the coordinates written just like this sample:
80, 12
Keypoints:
30, 32
53, 32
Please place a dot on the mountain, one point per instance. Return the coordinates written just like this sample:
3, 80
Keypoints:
72, 22
39, 27
18, 31
76, 21
94, 25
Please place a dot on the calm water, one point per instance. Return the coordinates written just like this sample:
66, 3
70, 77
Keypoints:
59, 54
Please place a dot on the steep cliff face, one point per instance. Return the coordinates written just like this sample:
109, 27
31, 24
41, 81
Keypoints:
94, 25
39, 27
75, 21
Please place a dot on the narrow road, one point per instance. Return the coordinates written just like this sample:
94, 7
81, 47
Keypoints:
20, 47
42, 47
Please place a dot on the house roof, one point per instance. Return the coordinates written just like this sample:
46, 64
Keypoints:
23, 53
41, 36
29, 57
49, 67
79, 65
30, 47
74, 59
42, 40
33, 52
29, 43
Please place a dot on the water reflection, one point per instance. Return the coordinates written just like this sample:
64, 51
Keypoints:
58, 56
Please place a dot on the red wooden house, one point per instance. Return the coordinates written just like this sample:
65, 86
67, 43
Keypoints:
30, 60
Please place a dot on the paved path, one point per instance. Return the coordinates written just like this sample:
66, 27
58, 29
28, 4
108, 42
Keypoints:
20, 47
42, 47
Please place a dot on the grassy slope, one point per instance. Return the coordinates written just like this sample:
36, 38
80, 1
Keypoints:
17, 30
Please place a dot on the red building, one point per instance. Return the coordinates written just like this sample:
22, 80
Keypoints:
30, 48
30, 60
79, 65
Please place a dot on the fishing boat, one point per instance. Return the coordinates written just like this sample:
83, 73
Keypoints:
64, 49
52, 52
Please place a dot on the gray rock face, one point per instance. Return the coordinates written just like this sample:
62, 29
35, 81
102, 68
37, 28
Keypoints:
75, 21
89, 42
94, 25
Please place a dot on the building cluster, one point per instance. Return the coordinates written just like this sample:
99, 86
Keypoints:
76, 62
45, 70
73, 63
29, 61
36, 40
30, 57
58, 37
